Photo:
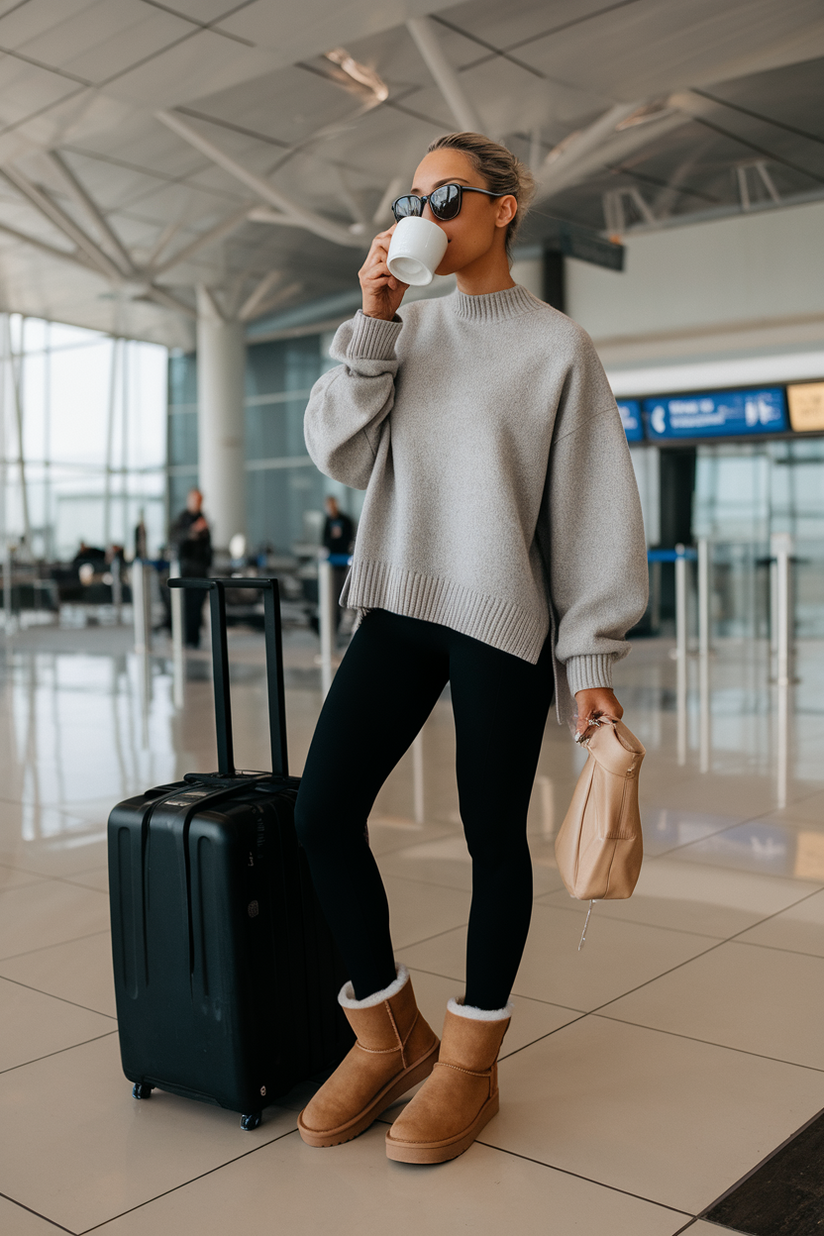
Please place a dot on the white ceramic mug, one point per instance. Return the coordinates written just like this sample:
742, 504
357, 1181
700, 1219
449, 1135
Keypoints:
416, 250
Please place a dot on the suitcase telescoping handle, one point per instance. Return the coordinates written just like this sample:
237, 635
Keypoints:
220, 658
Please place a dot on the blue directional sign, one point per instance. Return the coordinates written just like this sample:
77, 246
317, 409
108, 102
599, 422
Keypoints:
720, 415
630, 410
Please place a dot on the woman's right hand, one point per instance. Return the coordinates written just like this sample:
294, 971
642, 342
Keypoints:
382, 292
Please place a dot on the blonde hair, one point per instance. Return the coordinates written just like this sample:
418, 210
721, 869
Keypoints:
500, 170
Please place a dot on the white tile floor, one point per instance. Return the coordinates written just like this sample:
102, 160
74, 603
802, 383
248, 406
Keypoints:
642, 1077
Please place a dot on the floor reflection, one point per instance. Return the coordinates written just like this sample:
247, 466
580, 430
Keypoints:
82, 724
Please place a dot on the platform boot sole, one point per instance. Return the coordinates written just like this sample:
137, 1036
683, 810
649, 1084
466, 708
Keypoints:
450, 1148
390, 1093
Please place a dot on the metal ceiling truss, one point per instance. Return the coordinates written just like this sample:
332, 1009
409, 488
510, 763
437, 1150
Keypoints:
602, 146
759, 168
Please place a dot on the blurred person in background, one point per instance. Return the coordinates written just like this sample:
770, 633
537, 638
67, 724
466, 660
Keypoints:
88, 553
191, 540
338, 535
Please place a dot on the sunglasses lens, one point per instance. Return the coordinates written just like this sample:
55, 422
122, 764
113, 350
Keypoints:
410, 205
446, 202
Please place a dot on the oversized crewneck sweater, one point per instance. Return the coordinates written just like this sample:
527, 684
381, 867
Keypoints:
500, 495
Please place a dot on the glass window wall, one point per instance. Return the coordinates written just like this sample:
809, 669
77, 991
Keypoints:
285, 491
83, 423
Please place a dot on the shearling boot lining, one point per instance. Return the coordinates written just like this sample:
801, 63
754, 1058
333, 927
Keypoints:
347, 1000
467, 1010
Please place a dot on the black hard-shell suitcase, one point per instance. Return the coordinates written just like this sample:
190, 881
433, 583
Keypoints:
226, 975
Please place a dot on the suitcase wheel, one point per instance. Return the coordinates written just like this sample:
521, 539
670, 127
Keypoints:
142, 1090
250, 1121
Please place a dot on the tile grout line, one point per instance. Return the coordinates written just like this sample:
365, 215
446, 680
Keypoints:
734, 938
776, 948
589, 1179
37, 1213
51, 996
532, 999
516, 1051
691, 1038
98, 1226
399, 948
29, 952
766, 875
727, 940
684, 931
787, 1141
70, 1047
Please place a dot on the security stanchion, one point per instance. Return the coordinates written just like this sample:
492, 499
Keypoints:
782, 747
681, 649
703, 597
326, 622
8, 595
781, 546
178, 658
117, 589
680, 602
142, 604
679, 556
704, 712
704, 715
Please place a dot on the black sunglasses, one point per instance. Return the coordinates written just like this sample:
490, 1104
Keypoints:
444, 202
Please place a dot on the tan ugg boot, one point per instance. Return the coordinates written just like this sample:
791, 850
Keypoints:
461, 1096
395, 1050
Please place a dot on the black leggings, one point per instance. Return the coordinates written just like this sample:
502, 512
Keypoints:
388, 683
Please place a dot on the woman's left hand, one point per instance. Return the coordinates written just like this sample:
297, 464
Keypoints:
593, 703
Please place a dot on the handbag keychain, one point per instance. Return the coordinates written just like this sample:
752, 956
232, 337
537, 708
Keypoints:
583, 938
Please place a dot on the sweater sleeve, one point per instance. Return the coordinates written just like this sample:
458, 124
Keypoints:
593, 534
348, 406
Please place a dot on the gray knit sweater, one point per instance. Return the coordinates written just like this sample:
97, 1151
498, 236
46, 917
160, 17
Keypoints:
500, 496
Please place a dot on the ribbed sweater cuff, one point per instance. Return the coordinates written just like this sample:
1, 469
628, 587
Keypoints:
594, 670
373, 338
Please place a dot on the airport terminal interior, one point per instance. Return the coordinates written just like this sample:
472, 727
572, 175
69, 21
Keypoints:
187, 192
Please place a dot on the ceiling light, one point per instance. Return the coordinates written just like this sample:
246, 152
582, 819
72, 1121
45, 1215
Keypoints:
359, 72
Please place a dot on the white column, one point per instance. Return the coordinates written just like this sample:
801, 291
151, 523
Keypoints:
221, 358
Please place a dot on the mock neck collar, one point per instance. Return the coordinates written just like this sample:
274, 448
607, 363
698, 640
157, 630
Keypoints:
495, 306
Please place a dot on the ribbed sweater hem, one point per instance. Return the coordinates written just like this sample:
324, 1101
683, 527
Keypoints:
591, 670
502, 624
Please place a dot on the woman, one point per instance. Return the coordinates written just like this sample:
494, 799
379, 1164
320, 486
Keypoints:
501, 549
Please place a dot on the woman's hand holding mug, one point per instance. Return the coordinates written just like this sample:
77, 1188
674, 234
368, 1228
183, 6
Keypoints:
382, 292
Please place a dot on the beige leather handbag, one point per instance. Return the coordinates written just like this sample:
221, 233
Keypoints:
599, 847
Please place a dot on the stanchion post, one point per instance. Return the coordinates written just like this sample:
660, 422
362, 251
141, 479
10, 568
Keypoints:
781, 545
326, 622
8, 601
117, 589
703, 596
178, 659
681, 648
680, 601
141, 605
783, 744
